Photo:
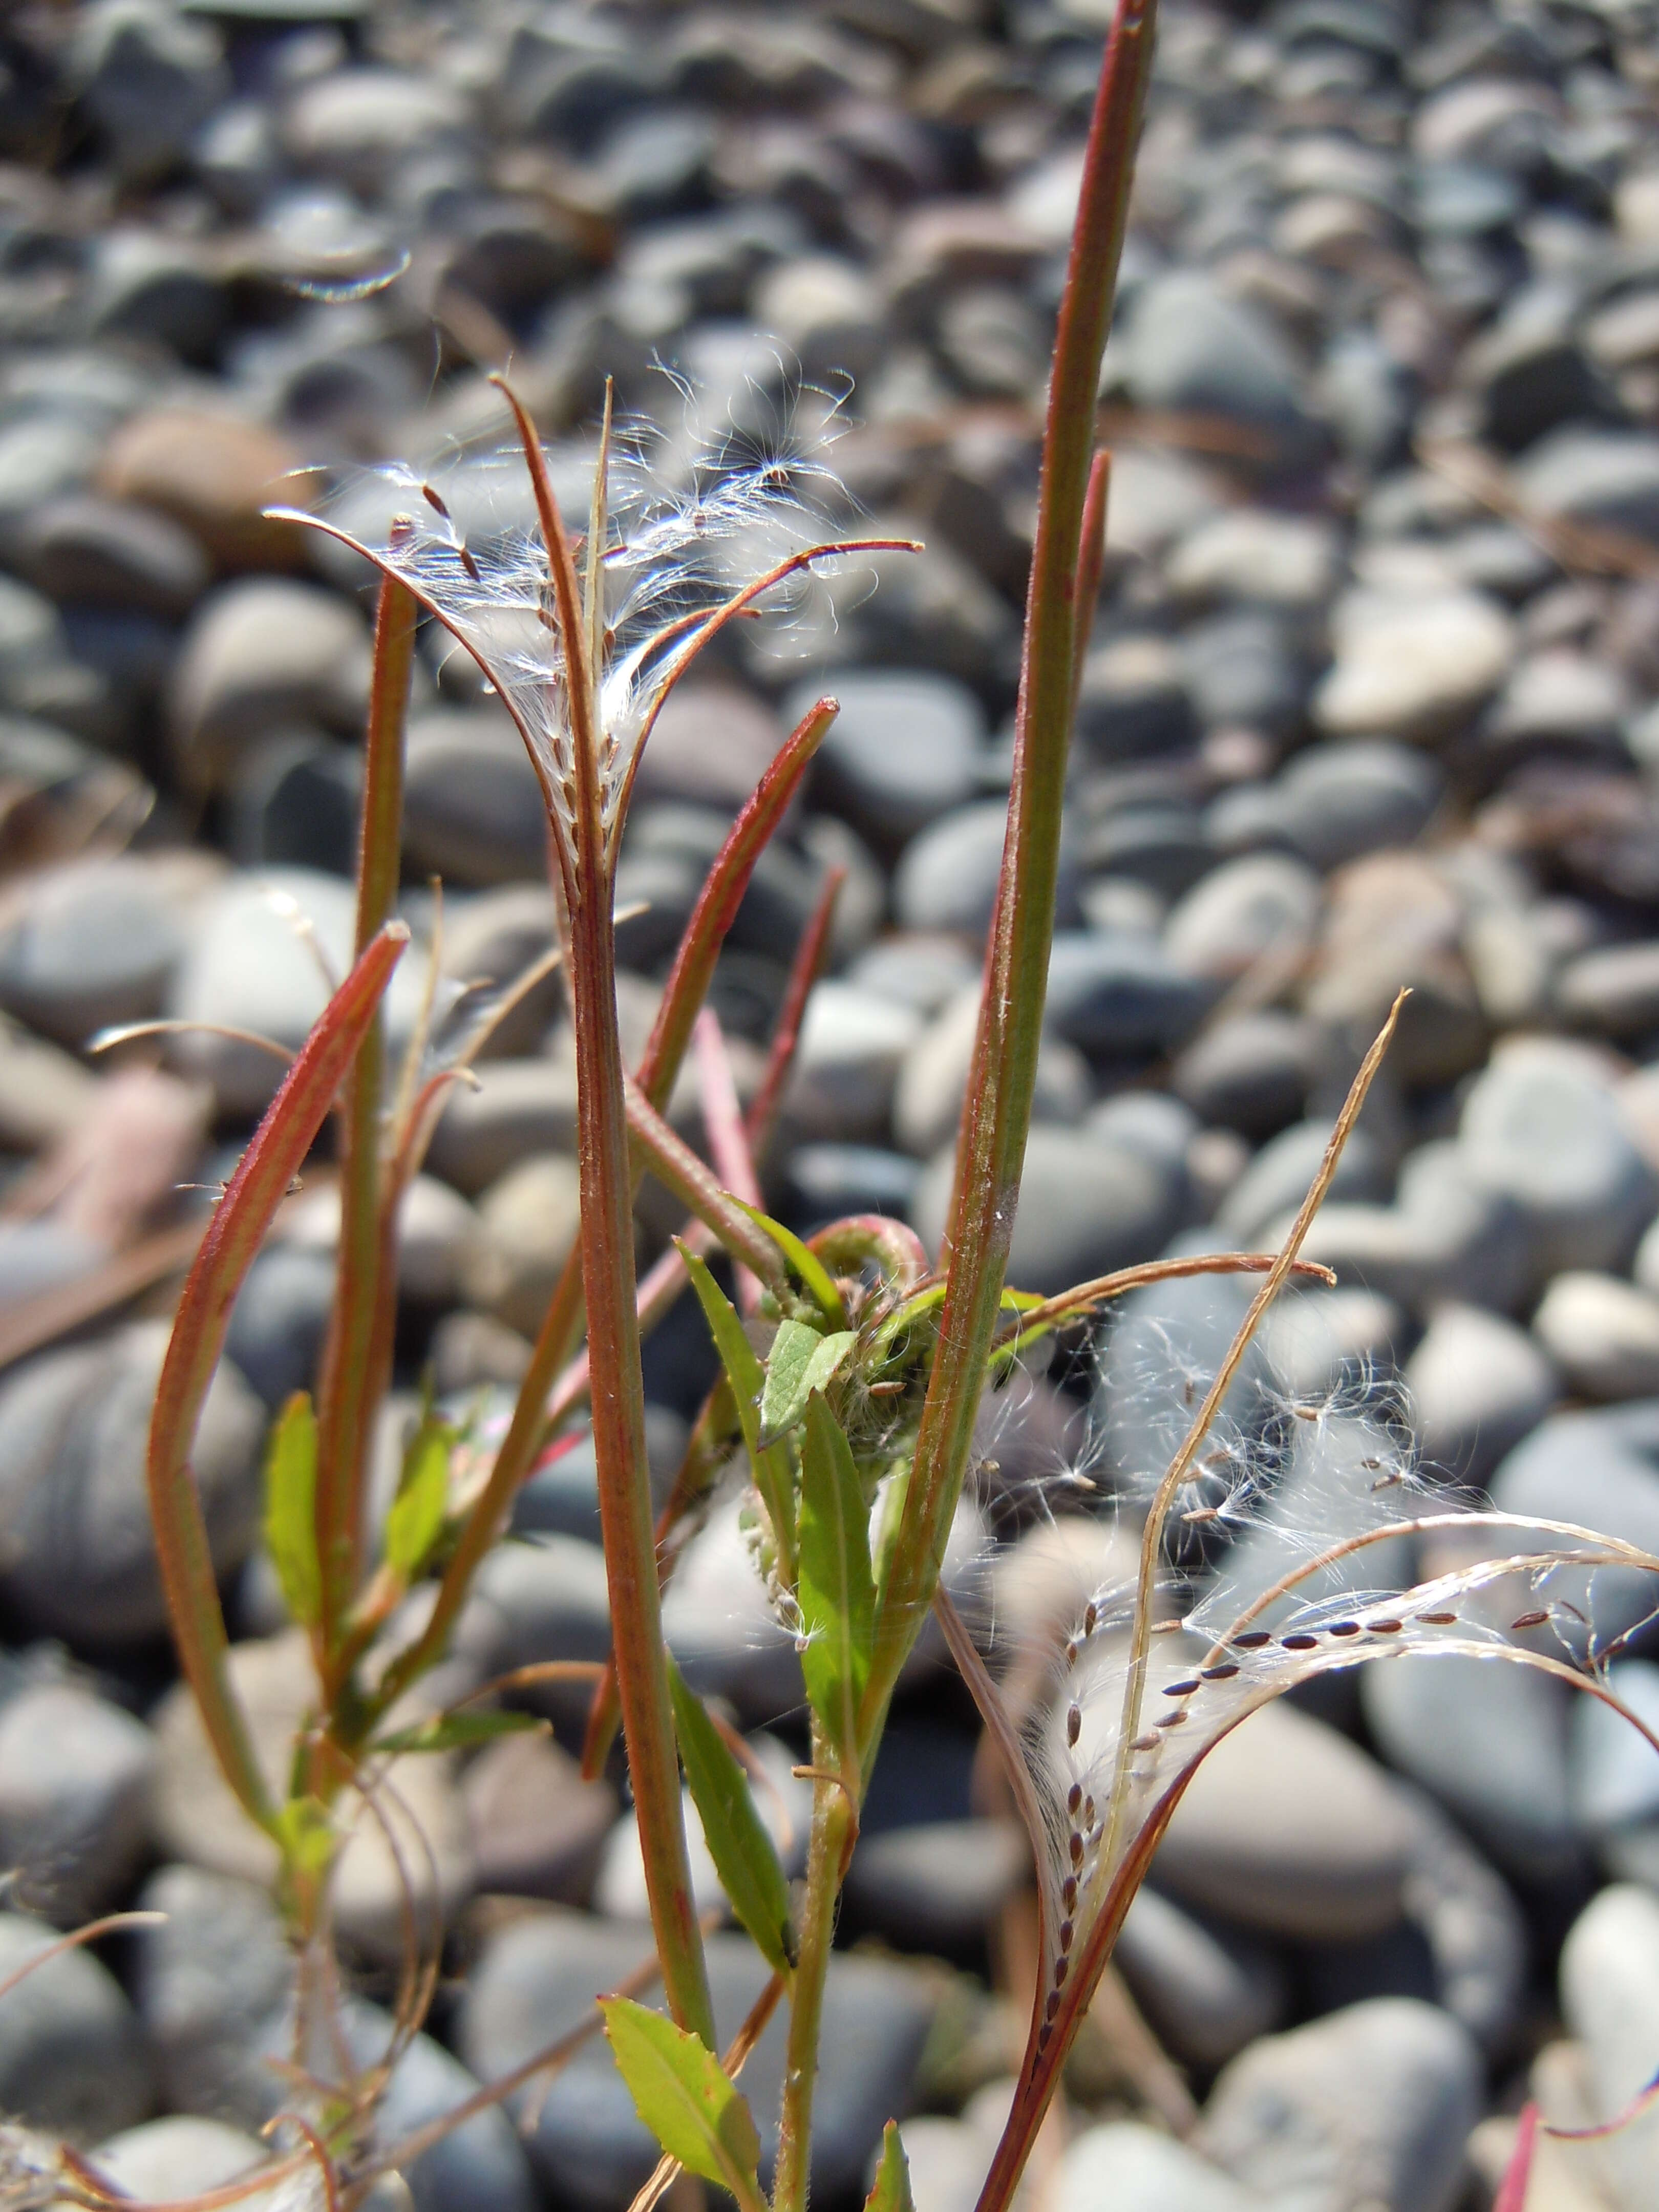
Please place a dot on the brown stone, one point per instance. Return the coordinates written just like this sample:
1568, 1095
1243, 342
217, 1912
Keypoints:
215, 474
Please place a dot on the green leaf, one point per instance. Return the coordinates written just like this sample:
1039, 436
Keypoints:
799, 1362
806, 1263
416, 1518
290, 1528
890, 2191
683, 2094
457, 1731
747, 1377
306, 1837
745, 1855
836, 1592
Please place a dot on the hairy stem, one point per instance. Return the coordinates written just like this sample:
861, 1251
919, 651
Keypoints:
997, 1109
349, 1387
826, 1859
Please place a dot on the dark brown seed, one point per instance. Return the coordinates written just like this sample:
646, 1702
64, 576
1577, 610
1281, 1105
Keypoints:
1172, 1720
1073, 1724
1071, 1655
1203, 1513
1297, 1643
468, 563
1342, 1628
1053, 2005
1074, 1797
1224, 1674
1385, 1627
1144, 1743
1530, 1621
1438, 1620
1090, 1616
1253, 1639
1044, 2035
1088, 1812
434, 501
1067, 1932
1068, 1892
1075, 1847
1181, 1689
1062, 1968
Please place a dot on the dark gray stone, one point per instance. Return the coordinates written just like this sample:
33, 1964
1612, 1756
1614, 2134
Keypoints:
1207, 1991
1086, 1208
75, 1774
1190, 346
939, 1886
473, 808
1277, 1179
84, 550
905, 749
1121, 995
279, 1319
72, 2059
1607, 478
1251, 1072
1478, 1385
148, 77
1337, 801
77, 1556
1600, 1471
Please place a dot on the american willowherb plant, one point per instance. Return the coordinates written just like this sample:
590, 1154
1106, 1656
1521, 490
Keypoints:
849, 1398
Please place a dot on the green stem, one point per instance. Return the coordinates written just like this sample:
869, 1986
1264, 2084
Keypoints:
349, 1386
832, 1828
997, 1109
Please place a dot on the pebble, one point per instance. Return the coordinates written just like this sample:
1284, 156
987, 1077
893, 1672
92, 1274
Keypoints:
213, 473
1614, 1771
528, 1222
853, 1044
938, 1886
260, 654
91, 945
1279, 1176
1610, 1995
160, 2161
72, 2059
1478, 1385
928, 1093
1600, 1471
1369, 2106
1347, 799
1250, 1072
1602, 1332
1206, 1990
947, 877
1129, 2166
1260, 905
75, 1780
472, 807
537, 1827
904, 750
1411, 666
78, 1558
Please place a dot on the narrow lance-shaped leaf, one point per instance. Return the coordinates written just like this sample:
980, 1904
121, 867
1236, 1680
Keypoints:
416, 1518
682, 2093
290, 1528
458, 1731
744, 1856
890, 2191
836, 1592
805, 1262
747, 1377
801, 1360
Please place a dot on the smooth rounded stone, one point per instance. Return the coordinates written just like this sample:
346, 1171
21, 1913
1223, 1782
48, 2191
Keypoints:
40, 1256
480, 2166
160, 2162
541, 1600
1468, 1922
1278, 1177
947, 877
1255, 554
79, 1560
1132, 700
85, 551
537, 1827
354, 121
1119, 995
853, 1045
1341, 801
1409, 666
252, 964
147, 76
1153, 849
472, 807
1288, 1828
72, 2056
1615, 1771
1163, 1350
1478, 1384
1610, 1995
561, 1499
279, 1320
1133, 2168
906, 748
213, 473
831, 1181
1319, 1342
1541, 1126
1560, 697
437, 1231
75, 1775
1489, 1741
1261, 904
1244, 669
44, 1093
1085, 1209
927, 1096
1368, 2106
527, 1224
1206, 1991
297, 801
195, 1817
720, 1627
920, 971
710, 746
91, 944
939, 1886
1395, 921
491, 941
1614, 991
1607, 478
1250, 1072
259, 654
948, 2160
1602, 1332
1600, 1471
1192, 348
1471, 1239
536, 1979
520, 1106
144, 286
784, 1803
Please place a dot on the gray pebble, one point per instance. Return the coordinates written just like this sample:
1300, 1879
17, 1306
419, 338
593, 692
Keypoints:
72, 2058
1610, 1995
75, 1775
904, 750
1478, 1385
1207, 1990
